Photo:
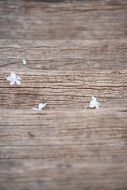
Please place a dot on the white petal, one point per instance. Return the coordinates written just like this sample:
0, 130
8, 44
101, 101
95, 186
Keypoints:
94, 103
17, 77
24, 61
93, 98
18, 82
13, 75
9, 78
12, 82
41, 106
91, 104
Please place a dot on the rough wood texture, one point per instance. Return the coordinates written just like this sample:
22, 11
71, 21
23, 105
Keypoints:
74, 50
64, 89
61, 175
101, 19
63, 150
64, 55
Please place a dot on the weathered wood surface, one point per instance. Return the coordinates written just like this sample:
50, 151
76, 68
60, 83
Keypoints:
64, 89
53, 175
64, 55
64, 176
74, 50
63, 150
81, 132
100, 19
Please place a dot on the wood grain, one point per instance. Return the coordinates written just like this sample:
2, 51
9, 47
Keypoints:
69, 135
42, 20
71, 150
64, 90
73, 55
65, 175
74, 50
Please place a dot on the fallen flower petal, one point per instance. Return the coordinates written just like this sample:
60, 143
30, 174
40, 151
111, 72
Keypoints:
18, 82
13, 78
93, 103
40, 106
24, 61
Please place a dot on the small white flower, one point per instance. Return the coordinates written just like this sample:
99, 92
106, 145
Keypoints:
13, 78
93, 103
24, 61
40, 106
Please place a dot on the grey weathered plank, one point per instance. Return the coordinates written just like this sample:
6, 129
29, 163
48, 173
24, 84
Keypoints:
64, 147
64, 55
27, 174
88, 136
65, 20
58, 125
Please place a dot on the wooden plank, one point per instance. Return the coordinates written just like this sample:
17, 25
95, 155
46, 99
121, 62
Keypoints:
27, 174
63, 55
64, 90
69, 136
74, 50
71, 150
66, 20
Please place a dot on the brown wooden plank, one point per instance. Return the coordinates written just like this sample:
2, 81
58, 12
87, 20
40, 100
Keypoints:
64, 90
27, 174
66, 20
94, 153
74, 50
64, 55
64, 135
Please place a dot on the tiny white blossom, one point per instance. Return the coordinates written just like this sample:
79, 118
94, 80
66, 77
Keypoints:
13, 78
24, 61
40, 106
93, 103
